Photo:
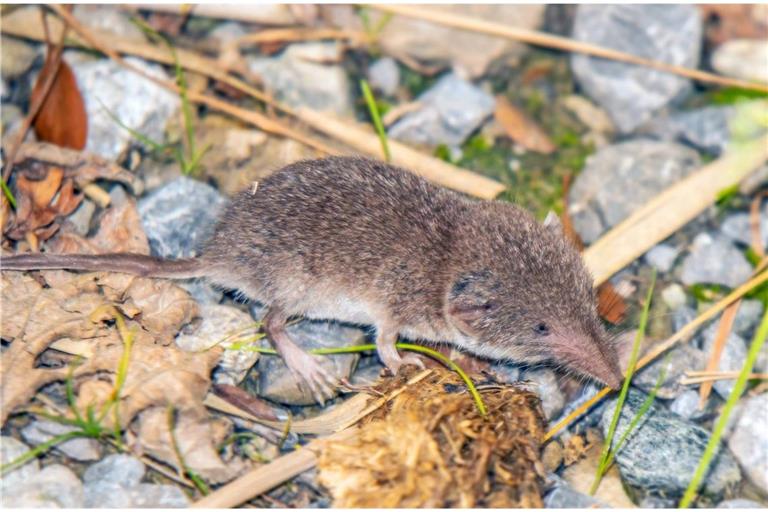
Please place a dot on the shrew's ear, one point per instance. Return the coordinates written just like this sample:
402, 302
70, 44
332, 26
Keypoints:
471, 298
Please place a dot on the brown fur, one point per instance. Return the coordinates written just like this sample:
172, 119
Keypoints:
361, 241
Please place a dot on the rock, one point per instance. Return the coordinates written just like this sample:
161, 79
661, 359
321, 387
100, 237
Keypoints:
82, 449
581, 474
102, 494
178, 218
622, 177
298, 78
731, 359
10, 450
274, 380
227, 31
220, 322
681, 359
108, 19
632, 94
158, 496
56, 486
367, 376
740, 503
736, 227
451, 110
707, 129
16, 57
563, 495
138, 102
384, 75
674, 296
117, 468
742, 58
714, 260
658, 459
81, 218
430, 42
748, 438
552, 399
686, 404
682, 316
754, 180
662, 257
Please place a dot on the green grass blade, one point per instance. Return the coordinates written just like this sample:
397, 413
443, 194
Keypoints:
624, 388
374, 111
155, 146
640, 414
717, 433
8, 193
39, 450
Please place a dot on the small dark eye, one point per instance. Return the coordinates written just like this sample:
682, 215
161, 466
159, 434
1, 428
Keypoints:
541, 329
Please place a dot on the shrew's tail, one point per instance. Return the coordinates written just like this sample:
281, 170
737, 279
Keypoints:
127, 263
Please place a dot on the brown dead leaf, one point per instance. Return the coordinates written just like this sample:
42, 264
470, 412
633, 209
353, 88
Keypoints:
522, 129
62, 118
756, 241
245, 401
724, 22
721, 338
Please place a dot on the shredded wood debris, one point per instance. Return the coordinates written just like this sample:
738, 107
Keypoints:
431, 448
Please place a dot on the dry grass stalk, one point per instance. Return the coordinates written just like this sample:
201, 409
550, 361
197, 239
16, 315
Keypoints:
671, 209
754, 224
715, 376
287, 35
682, 334
561, 43
723, 330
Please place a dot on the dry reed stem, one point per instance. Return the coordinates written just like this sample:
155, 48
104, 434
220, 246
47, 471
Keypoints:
659, 349
723, 330
561, 43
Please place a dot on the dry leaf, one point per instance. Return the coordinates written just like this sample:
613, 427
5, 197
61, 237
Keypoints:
245, 401
521, 129
734, 21
62, 119
721, 338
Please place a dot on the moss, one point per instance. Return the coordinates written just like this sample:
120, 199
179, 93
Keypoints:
414, 82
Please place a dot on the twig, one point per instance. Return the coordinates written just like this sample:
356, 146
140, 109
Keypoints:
682, 334
716, 376
754, 224
299, 34
561, 43
723, 331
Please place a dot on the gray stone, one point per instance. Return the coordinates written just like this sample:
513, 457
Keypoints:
742, 58
178, 218
227, 31
103, 494
10, 450
562, 495
731, 359
451, 110
621, 178
298, 77
16, 57
707, 129
740, 503
159, 496
367, 376
662, 257
686, 405
681, 359
632, 94
674, 296
715, 260
682, 317
658, 459
219, 323
737, 227
82, 449
274, 380
552, 399
118, 468
56, 486
80, 219
748, 438
108, 18
138, 102
384, 75
747, 318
